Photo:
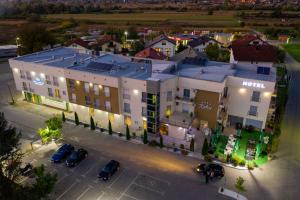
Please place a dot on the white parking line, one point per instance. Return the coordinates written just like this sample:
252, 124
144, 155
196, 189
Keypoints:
67, 189
158, 179
83, 193
127, 188
116, 179
150, 189
90, 169
131, 197
64, 176
101, 195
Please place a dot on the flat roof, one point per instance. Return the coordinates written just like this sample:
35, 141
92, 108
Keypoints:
4, 47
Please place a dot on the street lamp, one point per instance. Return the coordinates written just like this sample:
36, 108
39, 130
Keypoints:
126, 33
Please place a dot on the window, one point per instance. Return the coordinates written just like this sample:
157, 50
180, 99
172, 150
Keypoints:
126, 93
87, 100
96, 89
127, 120
169, 96
263, 70
186, 93
86, 87
163, 43
22, 74
24, 86
97, 103
57, 93
106, 91
144, 111
127, 107
30, 89
72, 83
50, 92
107, 105
55, 81
144, 97
48, 81
64, 92
73, 97
255, 96
28, 76
185, 108
253, 111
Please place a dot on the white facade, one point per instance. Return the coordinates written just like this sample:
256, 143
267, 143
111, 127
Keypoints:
165, 47
201, 47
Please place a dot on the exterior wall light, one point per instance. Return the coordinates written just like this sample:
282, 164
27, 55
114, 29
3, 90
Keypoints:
42, 75
33, 73
266, 94
78, 82
135, 92
91, 84
242, 90
62, 79
16, 70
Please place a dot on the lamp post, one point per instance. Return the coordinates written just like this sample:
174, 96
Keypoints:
18, 45
126, 33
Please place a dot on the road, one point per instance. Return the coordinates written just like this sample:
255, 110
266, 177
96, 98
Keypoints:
278, 179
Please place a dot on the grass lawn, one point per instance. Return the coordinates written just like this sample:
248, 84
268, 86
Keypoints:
293, 50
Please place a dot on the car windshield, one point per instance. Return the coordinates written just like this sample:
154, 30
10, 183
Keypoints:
73, 156
106, 168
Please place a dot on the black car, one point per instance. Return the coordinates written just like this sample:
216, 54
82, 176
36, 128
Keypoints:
26, 170
213, 170
75, 157
64, 151
109, 169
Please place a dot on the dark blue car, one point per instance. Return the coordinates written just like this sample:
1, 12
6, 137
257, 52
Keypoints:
63, 152
108, 170
76, 157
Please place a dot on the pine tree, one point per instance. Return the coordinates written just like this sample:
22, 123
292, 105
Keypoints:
192, 144
109, 128
127, 133
161, 141
76, 119
145, 138
63, 117
205, 148
92, 123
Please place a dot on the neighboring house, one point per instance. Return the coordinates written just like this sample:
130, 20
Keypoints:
199, 44
183, 38
164, 45
110, 44
189, 54
80, 45
252, 50
151, 53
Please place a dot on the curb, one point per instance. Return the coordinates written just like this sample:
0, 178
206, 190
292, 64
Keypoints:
230, 165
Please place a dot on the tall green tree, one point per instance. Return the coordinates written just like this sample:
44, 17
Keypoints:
127, 133
205, 147
110, 132
180, 47
76, 118
52, 130
212, 51
145, 137
92, 123
33, 38
161, 141
63, 117
192, 144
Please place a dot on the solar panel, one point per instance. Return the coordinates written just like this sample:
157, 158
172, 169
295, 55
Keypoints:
96, 66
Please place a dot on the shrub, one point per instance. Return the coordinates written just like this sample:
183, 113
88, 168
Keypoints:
205, 148
181, 146
153, 143
250, 166
207, 158
161, 141
240, 184
192, 145
102, 129
127, 133
85, 125
242, 162
63, 117
109, 128
92, 123
120, 134
184, 152
145, 137
76, 118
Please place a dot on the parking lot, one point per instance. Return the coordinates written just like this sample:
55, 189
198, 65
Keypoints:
131, 182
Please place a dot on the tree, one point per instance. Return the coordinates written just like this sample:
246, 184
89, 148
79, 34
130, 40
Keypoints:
239, 185
192, 144
33, 38
109, 128
136, 47
205, 148
212, 51
161, 141
92, 123
132, 33
76, 118
145, 137
180, 47
52, 130
63, 117
44, 184
127, 133
54, 123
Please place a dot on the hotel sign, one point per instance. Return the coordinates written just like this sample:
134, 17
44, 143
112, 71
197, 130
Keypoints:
205, 105
38, 81
253, 84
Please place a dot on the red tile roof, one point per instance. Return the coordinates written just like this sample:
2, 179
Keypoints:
244, 51
150, 53
79, 42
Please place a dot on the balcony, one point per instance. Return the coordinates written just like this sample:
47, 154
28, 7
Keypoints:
126, 110
24, 88
178, 119
255, 99
55, 83
185, 99
126, 96
252, 113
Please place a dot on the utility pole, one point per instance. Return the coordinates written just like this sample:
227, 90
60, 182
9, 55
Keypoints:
11, 96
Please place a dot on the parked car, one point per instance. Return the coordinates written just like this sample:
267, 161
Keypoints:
215, 170
63, 152
26, 170
109, 169
75, 157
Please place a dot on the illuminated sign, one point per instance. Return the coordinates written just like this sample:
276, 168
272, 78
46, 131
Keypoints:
38, 81
204, 105
253, 84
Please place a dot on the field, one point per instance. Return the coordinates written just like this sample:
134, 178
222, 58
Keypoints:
219, 19
293, 50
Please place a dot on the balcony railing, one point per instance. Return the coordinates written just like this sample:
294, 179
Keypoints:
24, 88
252, 113
126, 110
126, 96
255, 99
55, 83
187, 99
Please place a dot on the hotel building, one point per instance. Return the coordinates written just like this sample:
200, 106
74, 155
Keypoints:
157, 95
